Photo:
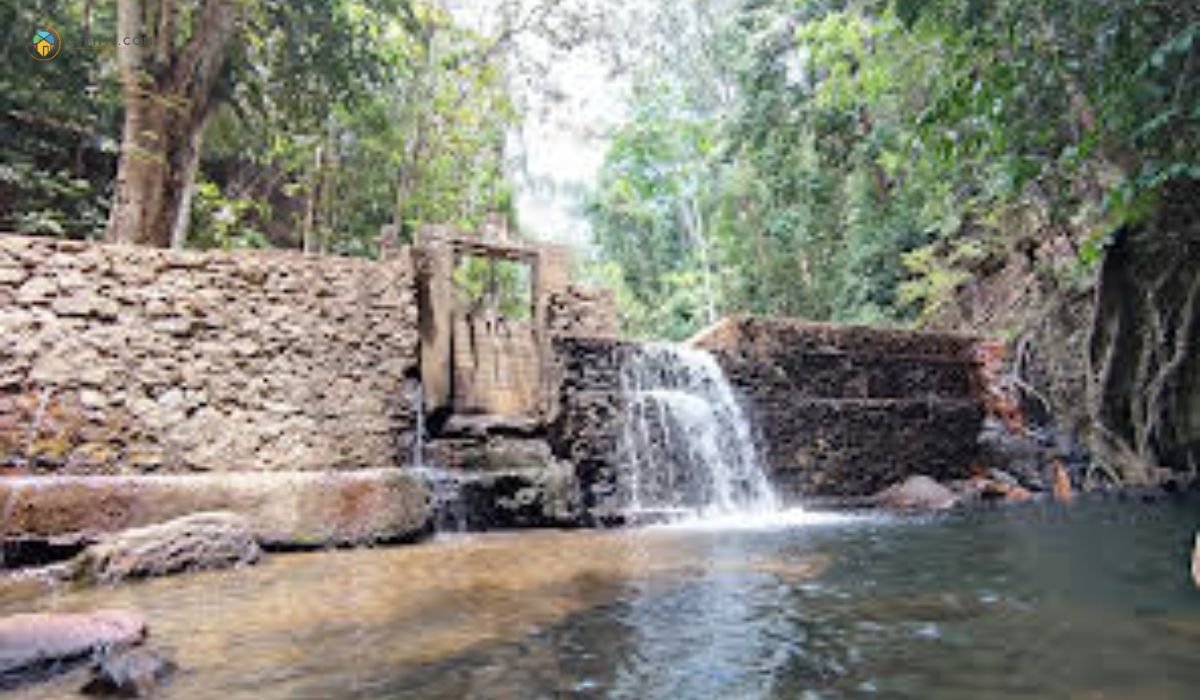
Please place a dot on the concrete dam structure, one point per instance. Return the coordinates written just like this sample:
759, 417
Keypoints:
342, 401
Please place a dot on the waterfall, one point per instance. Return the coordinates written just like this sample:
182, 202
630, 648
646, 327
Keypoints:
449, 510
417, 397
686, 447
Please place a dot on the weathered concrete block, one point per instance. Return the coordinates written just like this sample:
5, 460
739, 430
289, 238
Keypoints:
282, 509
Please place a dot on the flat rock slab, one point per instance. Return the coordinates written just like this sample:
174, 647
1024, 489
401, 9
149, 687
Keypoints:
284, 509
31, 641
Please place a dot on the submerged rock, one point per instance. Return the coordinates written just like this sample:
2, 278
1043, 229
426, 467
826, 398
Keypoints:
202, 541
23, 584
132, 673
41, 642
916, 493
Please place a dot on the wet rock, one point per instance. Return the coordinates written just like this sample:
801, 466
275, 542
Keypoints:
132, 673
37, 642
927, 607
503, 482
995, 488
1019, 455
1062, 483
213, 540
917, 493
518, 498
785, 570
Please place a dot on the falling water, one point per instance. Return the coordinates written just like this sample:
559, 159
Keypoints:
686, 447
417, 396
449, 510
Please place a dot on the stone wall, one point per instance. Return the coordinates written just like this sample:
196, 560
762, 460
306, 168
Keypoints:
118, 359
583, 312
848, 410
588, 424
838, 410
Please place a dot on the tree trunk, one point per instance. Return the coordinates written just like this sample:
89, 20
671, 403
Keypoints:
167, 97
1144, 372
181, 209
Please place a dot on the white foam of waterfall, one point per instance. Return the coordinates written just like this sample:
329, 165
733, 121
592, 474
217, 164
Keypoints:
686, 448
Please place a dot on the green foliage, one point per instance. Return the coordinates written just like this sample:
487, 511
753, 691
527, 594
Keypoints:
58, 126
332, 119
501, 286
220, 220
880, 154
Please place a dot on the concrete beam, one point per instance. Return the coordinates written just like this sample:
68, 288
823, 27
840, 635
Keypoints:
284, 509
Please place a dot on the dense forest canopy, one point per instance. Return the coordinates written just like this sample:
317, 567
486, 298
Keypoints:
862, 160
1014, 167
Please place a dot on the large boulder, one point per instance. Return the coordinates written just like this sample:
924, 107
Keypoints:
34, 642
916, 493
285, 509
201, 541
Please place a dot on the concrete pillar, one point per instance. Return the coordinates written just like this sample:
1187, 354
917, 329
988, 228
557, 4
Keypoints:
434, 260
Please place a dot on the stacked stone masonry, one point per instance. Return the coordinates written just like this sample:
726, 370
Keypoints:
848, 410
840, 410
119, 359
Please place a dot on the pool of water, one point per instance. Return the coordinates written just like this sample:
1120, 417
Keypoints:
1089, 602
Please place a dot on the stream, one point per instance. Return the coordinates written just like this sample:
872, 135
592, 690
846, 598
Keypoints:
1091, 601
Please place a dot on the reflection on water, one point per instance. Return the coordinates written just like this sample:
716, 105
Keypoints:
1090, 603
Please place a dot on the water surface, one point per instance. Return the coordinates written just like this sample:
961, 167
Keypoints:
1091, 602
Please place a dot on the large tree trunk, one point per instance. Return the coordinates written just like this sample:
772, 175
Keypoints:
1144, 376
168, 96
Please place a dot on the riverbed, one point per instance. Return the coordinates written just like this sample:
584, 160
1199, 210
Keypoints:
1088, 602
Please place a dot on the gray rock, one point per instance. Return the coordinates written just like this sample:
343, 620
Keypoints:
201, 541
916, 493
132, 673
35, 641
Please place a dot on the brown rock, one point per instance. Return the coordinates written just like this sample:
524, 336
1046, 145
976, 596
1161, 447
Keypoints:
201, 541
1062, 484
916, 493
31, 641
